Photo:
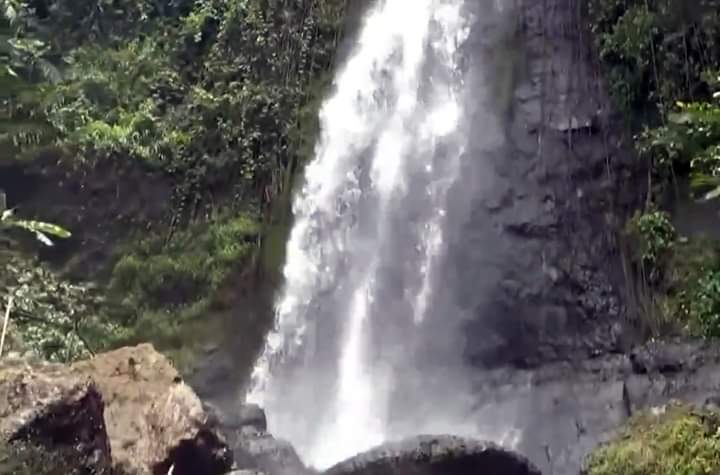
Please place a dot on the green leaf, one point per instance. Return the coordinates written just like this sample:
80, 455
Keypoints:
48, 228
711, 195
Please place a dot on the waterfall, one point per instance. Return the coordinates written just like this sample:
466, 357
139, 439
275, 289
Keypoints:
368, 233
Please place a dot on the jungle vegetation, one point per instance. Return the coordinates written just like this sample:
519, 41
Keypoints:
201, 110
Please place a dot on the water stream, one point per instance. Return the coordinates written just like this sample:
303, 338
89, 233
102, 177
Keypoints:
368, 235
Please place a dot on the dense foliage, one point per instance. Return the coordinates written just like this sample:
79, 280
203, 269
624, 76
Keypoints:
58, 320
210, 92
656, 52
662, 61
676, 441
662, 65
217, 97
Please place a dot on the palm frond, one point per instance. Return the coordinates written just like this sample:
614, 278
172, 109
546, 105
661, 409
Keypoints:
40, 229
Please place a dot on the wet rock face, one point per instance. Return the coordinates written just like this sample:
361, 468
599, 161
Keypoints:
562, 411
533, 265
435, 455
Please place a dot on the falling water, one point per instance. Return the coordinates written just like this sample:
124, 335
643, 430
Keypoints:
368, 233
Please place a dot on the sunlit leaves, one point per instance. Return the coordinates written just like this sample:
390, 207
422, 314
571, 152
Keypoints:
673, 441
55, 318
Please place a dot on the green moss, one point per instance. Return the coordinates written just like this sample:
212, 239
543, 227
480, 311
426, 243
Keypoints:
193, 264
158, 288
680, 441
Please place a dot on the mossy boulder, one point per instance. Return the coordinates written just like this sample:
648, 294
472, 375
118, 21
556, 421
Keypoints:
672, 440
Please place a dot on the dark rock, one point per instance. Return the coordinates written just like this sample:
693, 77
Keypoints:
247, 416
572, 184
667, 357
428, 455
245, 430
564, 410
205, 453
263, 452
252, 415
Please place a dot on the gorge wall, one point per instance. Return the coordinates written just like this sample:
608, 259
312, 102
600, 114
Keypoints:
535, 257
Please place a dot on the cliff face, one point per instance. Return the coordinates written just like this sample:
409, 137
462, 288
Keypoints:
535, 258
537, 262
533, 273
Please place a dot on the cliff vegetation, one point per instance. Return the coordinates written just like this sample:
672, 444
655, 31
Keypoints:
661, 60
166, 137
677, 440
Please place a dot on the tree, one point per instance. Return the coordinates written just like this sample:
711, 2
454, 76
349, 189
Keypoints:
24, 68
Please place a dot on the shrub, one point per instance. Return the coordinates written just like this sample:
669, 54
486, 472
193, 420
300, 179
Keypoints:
704, 305
677, 441
161, 291
56, 319
191, 266
653, 237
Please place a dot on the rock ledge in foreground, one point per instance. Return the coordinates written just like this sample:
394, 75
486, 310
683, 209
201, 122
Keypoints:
127, 407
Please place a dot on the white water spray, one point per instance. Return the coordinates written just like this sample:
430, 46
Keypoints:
371, 211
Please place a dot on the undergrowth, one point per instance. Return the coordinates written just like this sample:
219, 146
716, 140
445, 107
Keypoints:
677, 440
220, 98
661, 61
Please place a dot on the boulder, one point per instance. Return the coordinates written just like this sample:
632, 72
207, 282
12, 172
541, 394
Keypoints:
252, 415
248, 417
52, 407
261, 451
127, 406
428, 455
254, 449
154, 421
